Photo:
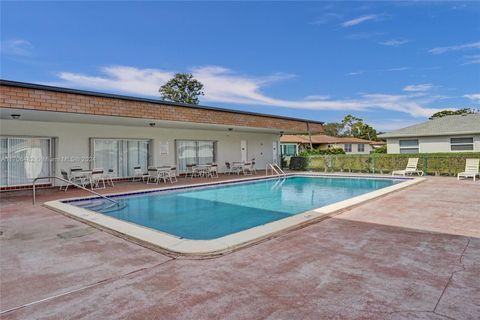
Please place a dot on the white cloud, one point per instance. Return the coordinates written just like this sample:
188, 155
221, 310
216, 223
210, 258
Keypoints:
473, 59
394, 42
475, 97
326, 18
471, 45
359, 72
222, 85
418, 87
317, 97
16, 47
354, 22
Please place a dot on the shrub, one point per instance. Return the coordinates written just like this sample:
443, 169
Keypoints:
298, 163
430, 163
382, 149
318, 151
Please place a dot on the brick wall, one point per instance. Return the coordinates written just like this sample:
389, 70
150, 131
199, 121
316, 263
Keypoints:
46, 100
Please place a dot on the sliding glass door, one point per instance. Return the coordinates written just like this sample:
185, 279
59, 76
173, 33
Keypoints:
120, 155
24, 159
194, 152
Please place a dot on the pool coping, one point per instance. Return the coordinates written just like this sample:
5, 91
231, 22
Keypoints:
176, 246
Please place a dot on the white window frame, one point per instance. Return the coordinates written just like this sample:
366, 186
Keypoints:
349, 148
413, 147
462, 144
51, 156
284, 147
362, 146
92, 151
215, 151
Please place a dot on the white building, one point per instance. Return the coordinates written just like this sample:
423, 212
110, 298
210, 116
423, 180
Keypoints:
47, 129
447, 134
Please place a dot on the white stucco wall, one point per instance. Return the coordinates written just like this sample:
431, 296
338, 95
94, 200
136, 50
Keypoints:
73, 140
432, 144
367, 148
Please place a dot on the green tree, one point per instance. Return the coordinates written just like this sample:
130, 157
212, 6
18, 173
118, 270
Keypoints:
445, 113
333, 129
350, 124
183, 87
364, 131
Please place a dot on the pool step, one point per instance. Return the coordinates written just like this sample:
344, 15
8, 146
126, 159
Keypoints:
103, 206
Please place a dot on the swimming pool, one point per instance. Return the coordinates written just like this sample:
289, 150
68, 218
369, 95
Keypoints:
212, 212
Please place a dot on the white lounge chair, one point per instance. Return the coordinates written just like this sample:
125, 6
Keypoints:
410, 169
471, 169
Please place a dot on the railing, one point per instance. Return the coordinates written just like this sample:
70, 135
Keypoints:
73, 184
274, 168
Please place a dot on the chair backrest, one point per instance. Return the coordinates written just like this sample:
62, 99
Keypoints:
137, 170
64, 174
471, 165
73, 169
97, 173
412, 163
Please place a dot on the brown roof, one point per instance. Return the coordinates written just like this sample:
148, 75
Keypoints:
324, 139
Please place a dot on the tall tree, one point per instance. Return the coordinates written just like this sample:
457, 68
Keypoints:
183, 87
350, 124
333, 129
445, 113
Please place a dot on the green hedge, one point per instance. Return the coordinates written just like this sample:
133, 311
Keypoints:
430, 163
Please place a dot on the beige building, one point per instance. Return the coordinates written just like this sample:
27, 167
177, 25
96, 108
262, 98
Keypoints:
48, 129
291, 145
447, 134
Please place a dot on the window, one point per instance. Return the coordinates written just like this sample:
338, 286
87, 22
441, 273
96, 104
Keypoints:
194, 152
348, 147
24, 159
289, 150
361, 147
461, 144
408, 146
121, 155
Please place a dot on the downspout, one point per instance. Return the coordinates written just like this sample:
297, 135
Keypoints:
309, 136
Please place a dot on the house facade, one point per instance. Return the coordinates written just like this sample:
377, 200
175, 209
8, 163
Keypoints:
448, 134
47, 129
292, 145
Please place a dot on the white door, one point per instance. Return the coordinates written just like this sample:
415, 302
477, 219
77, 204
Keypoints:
275, 151
243, 150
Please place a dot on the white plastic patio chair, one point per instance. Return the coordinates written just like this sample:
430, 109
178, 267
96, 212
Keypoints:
213, 170
97, 178
471, 169
138, 174
410, 169
152, 175
248, 168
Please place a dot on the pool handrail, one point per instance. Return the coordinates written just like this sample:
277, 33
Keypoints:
70, 183
275, 168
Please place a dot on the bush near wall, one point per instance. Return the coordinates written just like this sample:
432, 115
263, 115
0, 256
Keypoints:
430, 163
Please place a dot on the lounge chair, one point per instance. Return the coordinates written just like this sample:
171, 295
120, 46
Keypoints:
471, 169
410, 169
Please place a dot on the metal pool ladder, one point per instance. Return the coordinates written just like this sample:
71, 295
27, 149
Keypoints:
275, 169
73, 184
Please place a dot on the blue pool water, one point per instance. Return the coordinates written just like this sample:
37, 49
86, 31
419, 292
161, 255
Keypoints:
216, 211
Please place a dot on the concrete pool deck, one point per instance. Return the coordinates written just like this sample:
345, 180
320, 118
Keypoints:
411, 254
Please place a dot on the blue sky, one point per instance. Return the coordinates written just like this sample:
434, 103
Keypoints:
392, 64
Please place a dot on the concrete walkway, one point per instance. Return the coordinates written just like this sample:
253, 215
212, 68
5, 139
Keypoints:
413, 254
